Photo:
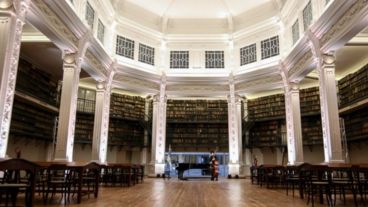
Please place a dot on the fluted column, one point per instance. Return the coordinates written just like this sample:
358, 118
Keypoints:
293, 125
12, 16
159, 131
101, 121
329, 110
68, 105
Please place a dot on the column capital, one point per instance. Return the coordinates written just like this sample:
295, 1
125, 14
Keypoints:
18, 8
101, 86
155, 99
328, 59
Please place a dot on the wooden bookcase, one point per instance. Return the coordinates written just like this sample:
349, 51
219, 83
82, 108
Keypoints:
31, 121
196, 110
268, 115
266, 133
356, 124
84, 128
353, 87
267, 108
31, 118
309, 101
125, 132
36, 83
197, 124
126, 127
127, 107
312, 130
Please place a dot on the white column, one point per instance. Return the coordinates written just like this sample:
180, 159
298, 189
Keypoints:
234, 127
144, 151
101, 121
68, 105
294, 125
12, 15
329, 110
159, 131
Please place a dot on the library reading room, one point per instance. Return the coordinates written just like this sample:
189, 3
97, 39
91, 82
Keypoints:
184, 103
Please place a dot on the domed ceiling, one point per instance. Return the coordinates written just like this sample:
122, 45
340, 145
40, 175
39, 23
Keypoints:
207, 13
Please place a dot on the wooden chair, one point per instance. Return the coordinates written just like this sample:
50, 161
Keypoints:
343, 181
18, 176
295, 178
318, 183
60, 179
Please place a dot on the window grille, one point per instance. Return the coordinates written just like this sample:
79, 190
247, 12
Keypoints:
90, 15
215, 59
248, 54
270, 47
125, 47
146, 54
307, 15
295, 31
179, 59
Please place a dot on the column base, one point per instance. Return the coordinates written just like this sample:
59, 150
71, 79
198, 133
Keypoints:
336, 161
156, 170
60, 160
234, 170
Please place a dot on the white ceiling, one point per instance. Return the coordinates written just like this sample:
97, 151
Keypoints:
206, 9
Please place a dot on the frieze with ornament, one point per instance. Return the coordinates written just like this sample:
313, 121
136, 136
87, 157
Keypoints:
301, 64
55, 21
95, 63
344, 22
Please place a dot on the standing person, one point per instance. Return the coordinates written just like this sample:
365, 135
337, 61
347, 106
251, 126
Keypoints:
213, 166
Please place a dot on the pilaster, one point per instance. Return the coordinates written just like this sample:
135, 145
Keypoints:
12, 16
329, 109
159, 131
101, 121
293, 124
68, 105
234, 127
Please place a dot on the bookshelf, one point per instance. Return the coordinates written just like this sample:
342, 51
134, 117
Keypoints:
201, 135
268, 115
36, 83
266, 133
197, 124
31, 121
126, 127
353, 87
124, 132
309, 101
127, 107
312, 130
356, 125
84, 128
34, 107
267, 108
196, 110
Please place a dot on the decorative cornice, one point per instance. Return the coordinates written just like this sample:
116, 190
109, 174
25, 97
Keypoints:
258, 82
91, 59
55, 21
344, 21
301, 64
137, 83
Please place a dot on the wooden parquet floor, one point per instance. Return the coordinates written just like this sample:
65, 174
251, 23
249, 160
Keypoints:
192, 193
